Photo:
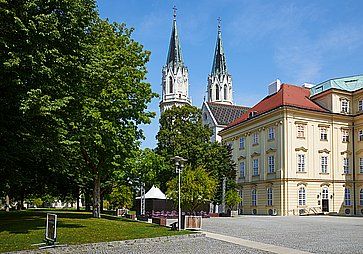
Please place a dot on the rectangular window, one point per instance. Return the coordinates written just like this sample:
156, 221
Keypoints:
301, 162
346, 165
254, 197
300, 131
360, 135
271, 164
255, 167
271, 133
255, 138
347, 200
323, 134
302, 196
242, 169
241, 143
360, 105
345, 106
361, 165
241, 196
345, 136
324, 164
269, 196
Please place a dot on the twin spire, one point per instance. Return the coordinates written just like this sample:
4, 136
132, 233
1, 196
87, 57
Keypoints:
175, 57
175, 80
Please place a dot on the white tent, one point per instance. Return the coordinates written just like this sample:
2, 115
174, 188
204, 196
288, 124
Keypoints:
154, 193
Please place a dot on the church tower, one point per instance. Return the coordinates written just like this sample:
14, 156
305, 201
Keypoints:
219, 81
175, 80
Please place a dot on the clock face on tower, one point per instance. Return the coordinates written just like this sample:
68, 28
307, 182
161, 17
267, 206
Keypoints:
180, 80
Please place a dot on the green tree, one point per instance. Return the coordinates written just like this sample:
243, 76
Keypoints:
232, 199
41, 54
142, 167
121, 196
111, 103
72, 94
197, 188
182, 133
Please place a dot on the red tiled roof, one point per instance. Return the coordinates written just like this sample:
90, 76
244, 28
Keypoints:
288, 95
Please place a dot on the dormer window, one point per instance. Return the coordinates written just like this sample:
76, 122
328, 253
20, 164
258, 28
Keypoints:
344, 106
252, 114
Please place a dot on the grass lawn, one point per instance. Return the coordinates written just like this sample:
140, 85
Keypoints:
19, 230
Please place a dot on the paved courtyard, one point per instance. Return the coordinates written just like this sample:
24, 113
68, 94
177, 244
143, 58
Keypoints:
317, 234
247, 234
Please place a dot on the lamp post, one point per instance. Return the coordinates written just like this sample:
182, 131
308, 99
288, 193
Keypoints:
179, 165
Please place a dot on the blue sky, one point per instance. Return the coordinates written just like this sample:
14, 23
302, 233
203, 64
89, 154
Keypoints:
295, 41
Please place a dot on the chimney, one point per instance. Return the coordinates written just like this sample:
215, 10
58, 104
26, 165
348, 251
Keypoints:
307, 85
274, 87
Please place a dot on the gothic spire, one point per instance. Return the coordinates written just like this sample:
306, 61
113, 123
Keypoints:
174, 54
219, 62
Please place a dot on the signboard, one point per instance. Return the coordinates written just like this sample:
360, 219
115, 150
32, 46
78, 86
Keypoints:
51, 228
193, 222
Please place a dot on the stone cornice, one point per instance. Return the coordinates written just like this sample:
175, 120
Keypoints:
301, 149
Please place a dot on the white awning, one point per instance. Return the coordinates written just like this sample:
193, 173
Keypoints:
154, 193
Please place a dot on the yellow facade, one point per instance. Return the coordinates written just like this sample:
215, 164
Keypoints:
309, 153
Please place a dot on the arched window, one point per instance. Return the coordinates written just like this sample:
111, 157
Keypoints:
254, 197
217, 92
325, 193
225, 92
347, 200
302, 196
210, 94
170, 85
361, 197
269, 196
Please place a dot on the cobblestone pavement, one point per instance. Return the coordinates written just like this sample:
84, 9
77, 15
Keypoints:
319, 234
170, 245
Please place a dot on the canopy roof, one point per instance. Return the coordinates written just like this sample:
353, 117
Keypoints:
154, 193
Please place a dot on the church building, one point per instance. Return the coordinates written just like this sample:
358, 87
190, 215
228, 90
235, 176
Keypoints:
218, 110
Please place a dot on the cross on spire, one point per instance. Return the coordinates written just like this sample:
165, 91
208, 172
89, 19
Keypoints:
219, 23
175, 9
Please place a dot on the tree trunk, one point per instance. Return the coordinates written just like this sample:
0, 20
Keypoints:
96, 196
7, 202
77, 197
101, 209
87, 201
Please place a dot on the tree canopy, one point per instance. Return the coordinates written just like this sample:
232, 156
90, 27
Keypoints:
72, 92
182, 133
197, 188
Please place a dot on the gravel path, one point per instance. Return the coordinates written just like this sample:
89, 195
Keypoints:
319, 234
170, 245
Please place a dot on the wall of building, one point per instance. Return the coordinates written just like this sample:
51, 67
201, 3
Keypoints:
286, 180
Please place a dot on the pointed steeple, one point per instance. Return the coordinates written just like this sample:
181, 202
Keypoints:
220, 81
174, 54
219, 62
175, 80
